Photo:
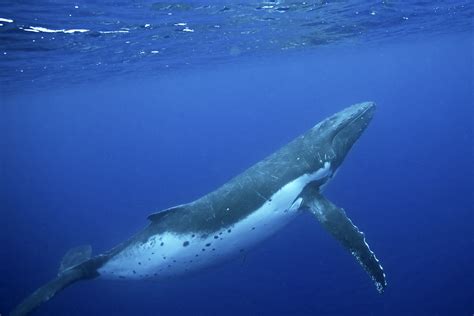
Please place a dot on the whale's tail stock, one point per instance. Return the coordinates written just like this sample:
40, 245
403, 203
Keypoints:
76, 265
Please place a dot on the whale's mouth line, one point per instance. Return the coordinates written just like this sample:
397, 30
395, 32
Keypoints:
359, 115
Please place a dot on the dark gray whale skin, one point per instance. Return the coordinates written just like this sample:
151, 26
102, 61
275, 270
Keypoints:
327, 142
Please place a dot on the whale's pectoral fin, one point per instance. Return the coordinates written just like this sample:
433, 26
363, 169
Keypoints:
336, 222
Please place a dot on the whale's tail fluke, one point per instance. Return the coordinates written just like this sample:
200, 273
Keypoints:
74, 257
76, 265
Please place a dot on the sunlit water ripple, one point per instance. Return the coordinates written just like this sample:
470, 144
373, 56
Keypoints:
61, 42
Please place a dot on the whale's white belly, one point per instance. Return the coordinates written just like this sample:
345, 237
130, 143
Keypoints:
170, 254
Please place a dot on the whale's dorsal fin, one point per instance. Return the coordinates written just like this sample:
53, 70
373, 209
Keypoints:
160, 214
336, 222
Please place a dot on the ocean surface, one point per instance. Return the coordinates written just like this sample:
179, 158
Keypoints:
112, 110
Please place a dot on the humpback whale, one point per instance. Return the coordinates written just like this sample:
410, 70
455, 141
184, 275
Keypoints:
236, 216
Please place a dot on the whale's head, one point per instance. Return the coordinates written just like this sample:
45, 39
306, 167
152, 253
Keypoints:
340, 131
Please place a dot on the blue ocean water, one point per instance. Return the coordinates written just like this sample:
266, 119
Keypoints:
111, 110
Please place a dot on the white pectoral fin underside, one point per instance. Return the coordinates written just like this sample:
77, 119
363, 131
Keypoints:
336, 222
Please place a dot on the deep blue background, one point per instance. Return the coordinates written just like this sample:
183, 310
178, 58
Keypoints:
87, 164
